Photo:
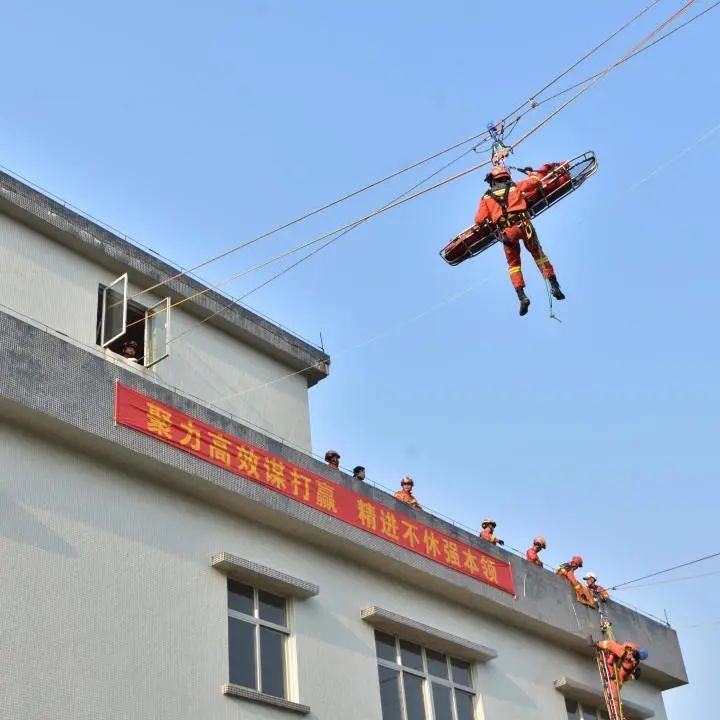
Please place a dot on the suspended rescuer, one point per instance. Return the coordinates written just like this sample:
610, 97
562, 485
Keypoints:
488, 532
567, 570
533, 554
405, 494
623, 663
504, 205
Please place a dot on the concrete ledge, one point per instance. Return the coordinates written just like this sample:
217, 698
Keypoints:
247, 694
407, 629
263, 577
587, 694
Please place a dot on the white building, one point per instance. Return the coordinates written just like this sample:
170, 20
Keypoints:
163, 557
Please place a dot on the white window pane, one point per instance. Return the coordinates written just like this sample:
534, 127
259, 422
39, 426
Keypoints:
390, 693
437, 664
572, 709
113, 323
464, 703
157, 333
441, 702
272, 662
241, 643
271, 608
414, 700
461, 672
385, 646
411, 655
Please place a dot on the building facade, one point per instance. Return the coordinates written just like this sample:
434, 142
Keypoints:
166, 554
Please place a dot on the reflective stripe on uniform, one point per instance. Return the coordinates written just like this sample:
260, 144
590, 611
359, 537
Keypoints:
514, 269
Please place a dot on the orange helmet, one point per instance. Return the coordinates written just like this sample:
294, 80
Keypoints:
488, 521
499, 172
576, 560
540, 541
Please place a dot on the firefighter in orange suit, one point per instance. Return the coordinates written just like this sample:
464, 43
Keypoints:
505, 207
488, 530
595, 593
533, 554
567, 570
405, 494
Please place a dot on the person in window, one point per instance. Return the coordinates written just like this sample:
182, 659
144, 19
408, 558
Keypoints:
405, 494
129, 351
359, 473
488, 532
533, 554
332, 458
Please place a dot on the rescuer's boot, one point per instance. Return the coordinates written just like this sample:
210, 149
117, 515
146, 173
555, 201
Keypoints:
555, 290
524, 300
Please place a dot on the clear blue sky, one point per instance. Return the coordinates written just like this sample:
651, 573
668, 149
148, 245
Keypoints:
195, 126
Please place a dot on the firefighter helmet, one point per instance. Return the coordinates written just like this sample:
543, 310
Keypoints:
407, 480
540, 541
590, 575
330, 454
499, 172
488, 521
576, 560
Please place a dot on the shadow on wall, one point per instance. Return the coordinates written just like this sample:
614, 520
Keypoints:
21, 525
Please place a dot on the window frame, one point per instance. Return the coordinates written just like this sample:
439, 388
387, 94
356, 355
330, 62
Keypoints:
599, 713
258, 622
428, 678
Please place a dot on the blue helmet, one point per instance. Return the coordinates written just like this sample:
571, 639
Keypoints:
643, 654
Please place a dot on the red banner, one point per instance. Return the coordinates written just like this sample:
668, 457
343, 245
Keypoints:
165, 423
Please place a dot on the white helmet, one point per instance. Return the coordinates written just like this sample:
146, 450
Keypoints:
590, 575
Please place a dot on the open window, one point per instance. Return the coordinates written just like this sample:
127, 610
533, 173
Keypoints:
139, 334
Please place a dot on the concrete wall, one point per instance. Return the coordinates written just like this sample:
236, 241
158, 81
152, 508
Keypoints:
51, 283
110, 608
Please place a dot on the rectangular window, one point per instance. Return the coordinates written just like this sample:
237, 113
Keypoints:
576, 711
417, 683
257, 639
139, 334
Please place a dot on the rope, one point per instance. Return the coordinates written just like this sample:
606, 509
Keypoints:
431, 188
662, 572
530, 102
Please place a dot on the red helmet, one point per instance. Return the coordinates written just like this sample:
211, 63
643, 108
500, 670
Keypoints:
576, 560
488, 521
499, 172
330, 454
540, 541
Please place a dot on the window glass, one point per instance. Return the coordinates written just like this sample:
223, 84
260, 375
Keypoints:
572, 709
411, 655
461, 672
390, 693
589, 713
385, 647
272, 662
414, 701
240, 597
272, 608
241, 641
437, 664
464, 702
441, 702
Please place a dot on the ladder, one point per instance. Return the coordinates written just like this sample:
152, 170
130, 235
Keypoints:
611, 686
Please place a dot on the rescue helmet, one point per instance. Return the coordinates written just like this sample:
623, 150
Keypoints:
540, 541
499, 172
330, 454
590, 575
643, 653
488, 521
576, 560
407, 480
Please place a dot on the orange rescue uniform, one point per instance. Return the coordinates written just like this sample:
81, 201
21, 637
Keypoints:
501, 206
487, 535
407, 497
533, 556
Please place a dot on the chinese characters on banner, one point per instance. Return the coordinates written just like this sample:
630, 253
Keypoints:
165, 423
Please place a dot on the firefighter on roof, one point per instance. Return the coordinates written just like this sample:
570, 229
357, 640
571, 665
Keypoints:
505, 207
405, 494
567, 570
595, 593
488, 530
533, 554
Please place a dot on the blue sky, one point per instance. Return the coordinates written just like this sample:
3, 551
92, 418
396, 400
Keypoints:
194, 127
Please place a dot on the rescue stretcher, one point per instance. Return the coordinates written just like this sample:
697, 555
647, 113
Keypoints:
559, 182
